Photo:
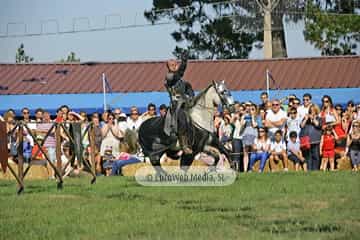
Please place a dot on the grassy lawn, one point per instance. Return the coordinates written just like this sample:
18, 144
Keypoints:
257, 206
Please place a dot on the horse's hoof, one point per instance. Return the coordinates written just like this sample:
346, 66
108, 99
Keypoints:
93, 180
20, 190
60, 185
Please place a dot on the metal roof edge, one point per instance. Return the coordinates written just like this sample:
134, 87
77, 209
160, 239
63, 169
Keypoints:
90, 63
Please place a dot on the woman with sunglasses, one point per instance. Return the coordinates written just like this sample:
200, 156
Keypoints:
328, 113
353, 145
261, 149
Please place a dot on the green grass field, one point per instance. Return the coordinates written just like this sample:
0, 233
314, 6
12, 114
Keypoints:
257, 206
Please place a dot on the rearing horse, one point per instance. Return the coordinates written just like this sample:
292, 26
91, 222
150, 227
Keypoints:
155, 142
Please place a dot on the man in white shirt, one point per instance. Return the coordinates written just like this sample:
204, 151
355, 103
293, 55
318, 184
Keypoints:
275, 118
304, 109
134, 121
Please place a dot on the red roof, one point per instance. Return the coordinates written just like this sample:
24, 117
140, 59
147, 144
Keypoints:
297, 73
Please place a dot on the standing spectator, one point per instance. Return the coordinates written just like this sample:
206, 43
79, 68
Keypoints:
327, 148
134, 121
353, 145
275, 118
328, 113
261, 149
357, 113
111, 137
122, 124
294, 152
117, 112
304, 108
260, 119
104, 118
59, 116
264, 97
25, 114
163, 110
39, 115
237, 146
226, 130
278, 151
350, 109
50, 141
293, 123
311, 128
98, 138
150, 113
249, 133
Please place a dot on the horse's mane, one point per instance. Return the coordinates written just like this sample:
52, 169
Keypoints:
200, 95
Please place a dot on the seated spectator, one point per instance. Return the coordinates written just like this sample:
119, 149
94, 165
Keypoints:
327, 148
261, 149
278, 151
353, 145
294, 152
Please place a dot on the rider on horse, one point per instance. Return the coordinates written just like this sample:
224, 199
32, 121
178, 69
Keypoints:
177, 122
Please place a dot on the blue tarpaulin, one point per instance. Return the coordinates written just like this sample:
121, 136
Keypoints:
91, 102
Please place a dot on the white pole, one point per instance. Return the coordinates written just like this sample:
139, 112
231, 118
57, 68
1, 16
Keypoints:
104, 90
267, 83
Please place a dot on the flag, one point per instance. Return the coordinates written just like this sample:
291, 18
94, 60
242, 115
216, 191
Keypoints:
270, 76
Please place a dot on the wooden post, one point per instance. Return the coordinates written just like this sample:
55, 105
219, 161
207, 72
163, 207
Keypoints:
20, 156
58, 148
92, 146
267, 32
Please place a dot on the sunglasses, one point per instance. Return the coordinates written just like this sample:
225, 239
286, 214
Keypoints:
297, 103
293, 112
306, 99
325, 101
111, 118
117, 113
275, 104
25, 113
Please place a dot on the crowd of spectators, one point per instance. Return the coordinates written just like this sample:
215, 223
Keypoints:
278, 131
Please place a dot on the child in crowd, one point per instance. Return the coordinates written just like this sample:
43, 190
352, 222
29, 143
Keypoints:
327, 148
293, 123
278, 152
294, 152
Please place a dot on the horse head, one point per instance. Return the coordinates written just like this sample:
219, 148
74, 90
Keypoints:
224, 94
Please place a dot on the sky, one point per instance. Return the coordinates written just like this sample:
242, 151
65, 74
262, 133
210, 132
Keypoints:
128, 44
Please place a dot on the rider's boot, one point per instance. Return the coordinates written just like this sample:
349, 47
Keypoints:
183, 140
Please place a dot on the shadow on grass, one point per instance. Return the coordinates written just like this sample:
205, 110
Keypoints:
125, 196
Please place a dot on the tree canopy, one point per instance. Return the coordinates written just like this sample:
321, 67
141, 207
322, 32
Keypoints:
333, 26
21, 56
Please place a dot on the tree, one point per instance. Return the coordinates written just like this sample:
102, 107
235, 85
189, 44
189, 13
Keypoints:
71, 58
21, 56
206, 27
333, 26
203, 28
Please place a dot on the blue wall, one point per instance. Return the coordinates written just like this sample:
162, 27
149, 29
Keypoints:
94, 102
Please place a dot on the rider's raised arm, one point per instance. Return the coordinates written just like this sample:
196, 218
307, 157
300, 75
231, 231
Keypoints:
183, 64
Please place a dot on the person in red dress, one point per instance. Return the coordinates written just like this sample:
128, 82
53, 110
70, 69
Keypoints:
327, 148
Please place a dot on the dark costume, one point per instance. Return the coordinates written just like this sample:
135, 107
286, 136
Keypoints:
181, 93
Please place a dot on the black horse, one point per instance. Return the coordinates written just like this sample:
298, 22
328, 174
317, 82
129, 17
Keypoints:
154, 142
